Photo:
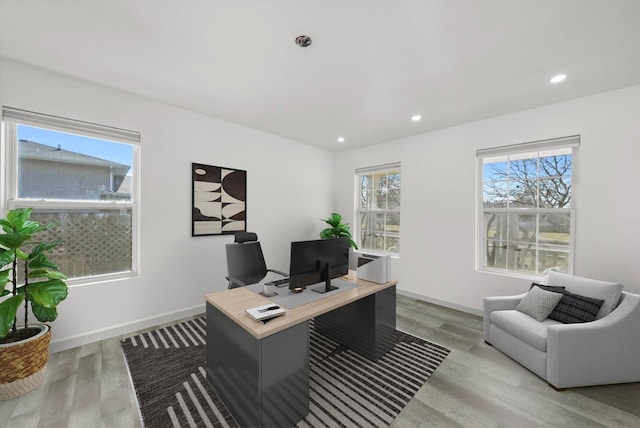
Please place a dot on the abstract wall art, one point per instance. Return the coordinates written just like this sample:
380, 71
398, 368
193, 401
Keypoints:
219, 200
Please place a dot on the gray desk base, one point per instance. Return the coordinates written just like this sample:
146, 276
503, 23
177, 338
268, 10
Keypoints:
367, 326
265, 382
262, 382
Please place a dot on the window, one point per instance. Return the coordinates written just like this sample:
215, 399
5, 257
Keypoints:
527, 192
81, 177
378, 208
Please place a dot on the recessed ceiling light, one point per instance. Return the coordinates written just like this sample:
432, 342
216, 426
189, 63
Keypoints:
416, 117
340, 139
558, 78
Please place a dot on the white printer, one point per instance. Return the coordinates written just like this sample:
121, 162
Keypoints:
374, 268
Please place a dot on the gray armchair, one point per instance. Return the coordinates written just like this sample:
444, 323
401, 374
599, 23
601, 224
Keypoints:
604, 351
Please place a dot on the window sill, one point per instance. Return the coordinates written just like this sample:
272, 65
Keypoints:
511, 274
100, 279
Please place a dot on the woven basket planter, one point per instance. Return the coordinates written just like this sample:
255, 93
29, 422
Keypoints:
24, 363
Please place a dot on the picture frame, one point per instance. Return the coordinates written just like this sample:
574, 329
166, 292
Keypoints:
219, 200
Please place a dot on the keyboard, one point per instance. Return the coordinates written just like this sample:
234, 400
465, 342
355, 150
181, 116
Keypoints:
279, 283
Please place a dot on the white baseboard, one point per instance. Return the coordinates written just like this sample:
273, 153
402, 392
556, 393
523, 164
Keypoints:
97, 335
441, 302
106, 333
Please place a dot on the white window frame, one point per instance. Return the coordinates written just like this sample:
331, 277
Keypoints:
11, 118
570, 142
358, 210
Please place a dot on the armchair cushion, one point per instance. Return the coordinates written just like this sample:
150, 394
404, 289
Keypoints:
538, 303
523, 327
574, 308
608, 291
496, 303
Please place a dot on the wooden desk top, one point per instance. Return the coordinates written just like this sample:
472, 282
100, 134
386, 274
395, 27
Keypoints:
234, 302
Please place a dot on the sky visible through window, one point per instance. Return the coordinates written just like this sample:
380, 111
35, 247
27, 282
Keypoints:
103, 149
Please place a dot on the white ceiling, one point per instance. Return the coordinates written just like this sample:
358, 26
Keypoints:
372, 64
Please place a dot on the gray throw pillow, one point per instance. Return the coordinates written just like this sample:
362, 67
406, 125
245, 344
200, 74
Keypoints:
538, 303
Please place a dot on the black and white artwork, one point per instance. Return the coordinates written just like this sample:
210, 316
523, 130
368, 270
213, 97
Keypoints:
219, 200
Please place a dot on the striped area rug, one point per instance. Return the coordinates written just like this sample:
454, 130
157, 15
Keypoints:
167, 370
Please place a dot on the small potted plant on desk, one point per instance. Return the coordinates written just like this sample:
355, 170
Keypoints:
24, 350
337, 229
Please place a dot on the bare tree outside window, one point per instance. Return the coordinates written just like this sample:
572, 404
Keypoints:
534, 182
379, 210
526, 201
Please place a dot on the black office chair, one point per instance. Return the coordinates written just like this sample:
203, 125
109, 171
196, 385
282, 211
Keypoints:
245, 261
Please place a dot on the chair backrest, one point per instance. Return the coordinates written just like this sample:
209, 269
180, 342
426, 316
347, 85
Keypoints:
242, 237
246, 262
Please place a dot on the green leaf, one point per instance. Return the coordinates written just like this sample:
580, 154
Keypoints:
6, 226
8, 310
18, 217
353, 244
4, 278
13, 240
6, 257
45, 273
41, 247
21, 254
44, 314
343, 229
38, 273
5, 292
31, 227
334, 220
42, 262
48, 293
327, 234
54, 274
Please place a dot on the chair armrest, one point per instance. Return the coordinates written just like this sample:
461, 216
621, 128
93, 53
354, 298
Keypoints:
599, 352
497, 303
279, 272
234, 282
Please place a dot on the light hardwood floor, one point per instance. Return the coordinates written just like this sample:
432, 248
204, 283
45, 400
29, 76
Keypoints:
476, 386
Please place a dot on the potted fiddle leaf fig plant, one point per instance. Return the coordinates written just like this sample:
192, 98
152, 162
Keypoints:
337, 229
24, 350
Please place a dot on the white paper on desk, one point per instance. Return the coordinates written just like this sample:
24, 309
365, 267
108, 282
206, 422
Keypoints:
259, 313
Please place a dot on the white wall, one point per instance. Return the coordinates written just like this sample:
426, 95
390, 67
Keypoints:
438, 218
289, 188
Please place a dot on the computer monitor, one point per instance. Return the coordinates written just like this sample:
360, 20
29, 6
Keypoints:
318, 261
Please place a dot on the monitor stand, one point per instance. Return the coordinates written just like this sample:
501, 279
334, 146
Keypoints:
327, 282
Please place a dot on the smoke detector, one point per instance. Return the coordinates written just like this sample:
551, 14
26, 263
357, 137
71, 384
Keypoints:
303, 41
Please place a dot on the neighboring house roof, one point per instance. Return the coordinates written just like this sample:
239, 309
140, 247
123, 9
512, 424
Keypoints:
127, 185
32, 150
